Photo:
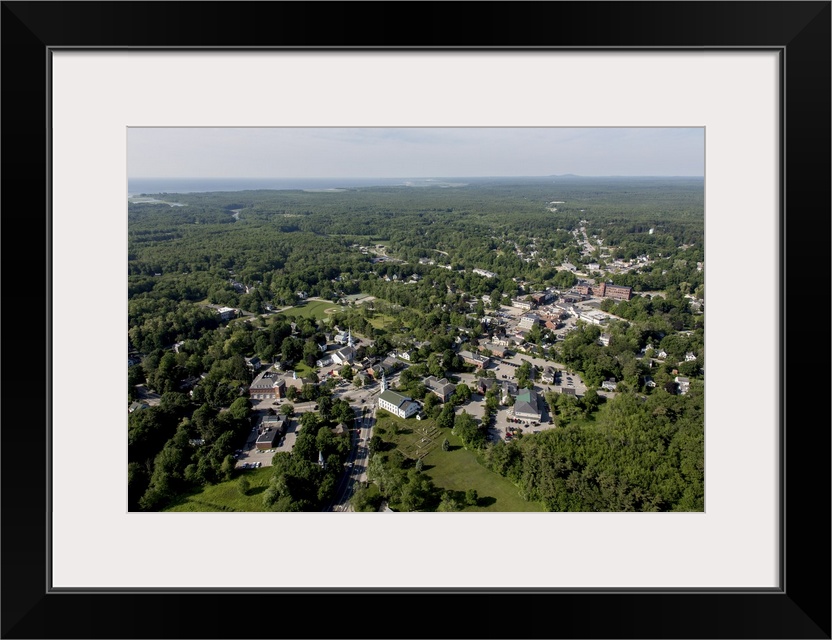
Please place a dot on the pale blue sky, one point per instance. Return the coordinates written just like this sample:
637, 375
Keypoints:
413, 152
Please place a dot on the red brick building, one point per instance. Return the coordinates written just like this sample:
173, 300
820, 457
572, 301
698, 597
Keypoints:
616, 291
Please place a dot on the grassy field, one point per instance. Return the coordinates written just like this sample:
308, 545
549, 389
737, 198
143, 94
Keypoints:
303, 370
456, 469
381, 320
226, 496
313, 309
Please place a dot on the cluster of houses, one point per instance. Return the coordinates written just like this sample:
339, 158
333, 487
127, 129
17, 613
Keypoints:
342, 352
526, 403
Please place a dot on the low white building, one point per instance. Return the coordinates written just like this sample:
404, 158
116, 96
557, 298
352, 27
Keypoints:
528, 320
521, 304
397, 404
594, 317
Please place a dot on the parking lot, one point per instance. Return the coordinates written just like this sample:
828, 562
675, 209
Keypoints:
504, 420
505, 369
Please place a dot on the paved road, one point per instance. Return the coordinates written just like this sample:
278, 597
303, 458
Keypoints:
356, 469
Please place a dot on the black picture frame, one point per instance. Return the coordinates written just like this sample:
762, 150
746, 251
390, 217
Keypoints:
800, 31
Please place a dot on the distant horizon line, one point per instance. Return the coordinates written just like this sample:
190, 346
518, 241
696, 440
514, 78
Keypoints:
432, 177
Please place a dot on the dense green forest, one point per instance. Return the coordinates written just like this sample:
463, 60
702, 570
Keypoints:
414, 250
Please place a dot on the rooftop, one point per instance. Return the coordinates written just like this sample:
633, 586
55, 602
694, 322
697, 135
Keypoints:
393, 398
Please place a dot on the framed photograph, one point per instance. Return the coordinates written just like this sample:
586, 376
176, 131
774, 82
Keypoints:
752, 77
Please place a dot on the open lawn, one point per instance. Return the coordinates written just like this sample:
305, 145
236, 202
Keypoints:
226, 496
303, 370
381, 320
456, 469
312, 309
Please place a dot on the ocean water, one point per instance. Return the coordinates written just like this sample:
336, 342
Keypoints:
138, 186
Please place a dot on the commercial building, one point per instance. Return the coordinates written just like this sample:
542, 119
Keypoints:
522, 304
268, 384
526, 405
440, 388
604, 290
270, 431
474, 358
528, 321
616, 291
